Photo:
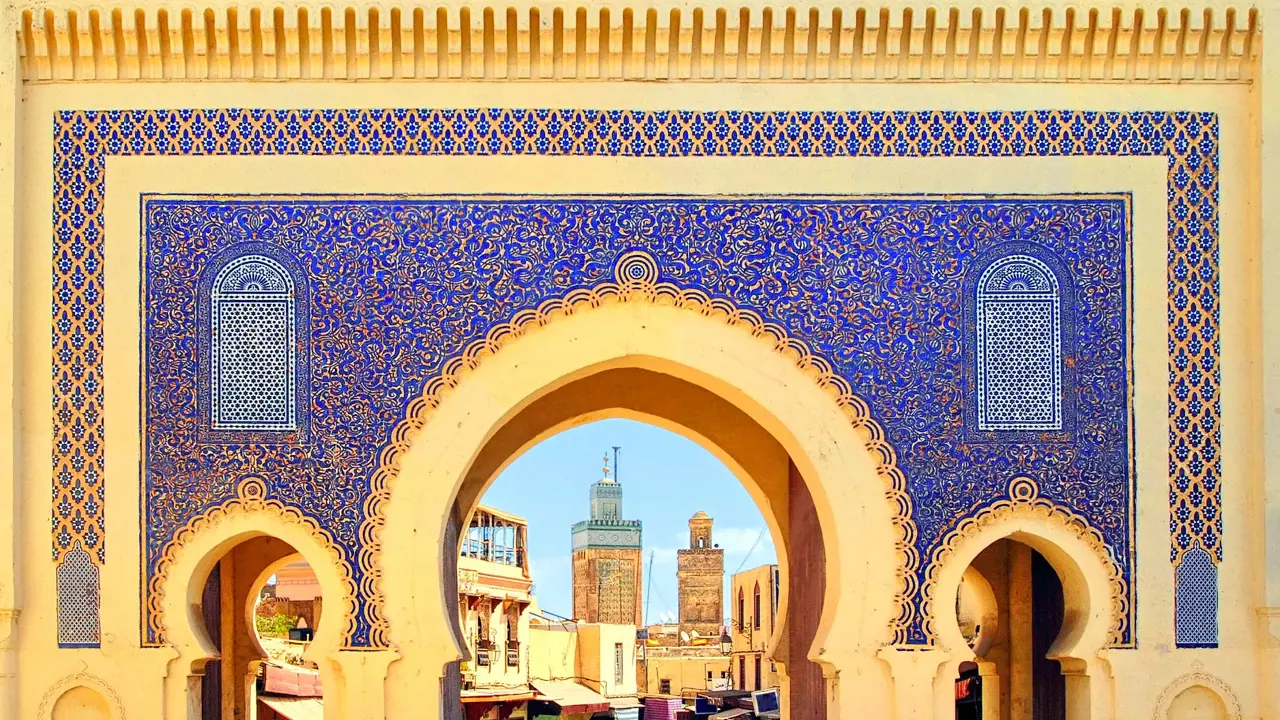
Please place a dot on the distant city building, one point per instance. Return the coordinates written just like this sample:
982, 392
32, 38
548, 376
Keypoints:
755, 595
700, 572
493, 610
684, 671
607, 563
297, 581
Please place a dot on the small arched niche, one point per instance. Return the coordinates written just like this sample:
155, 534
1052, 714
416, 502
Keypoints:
1198, 702
81, 703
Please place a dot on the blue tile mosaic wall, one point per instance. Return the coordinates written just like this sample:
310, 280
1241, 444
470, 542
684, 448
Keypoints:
84, 140
875, 286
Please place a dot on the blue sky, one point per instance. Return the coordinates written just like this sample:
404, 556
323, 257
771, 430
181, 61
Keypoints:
666, 478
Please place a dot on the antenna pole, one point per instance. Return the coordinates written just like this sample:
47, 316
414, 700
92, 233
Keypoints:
648, 591
615, 463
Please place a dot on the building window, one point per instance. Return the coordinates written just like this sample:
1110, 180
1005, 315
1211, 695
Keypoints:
757, 607
617, 664
776, 588
254, 349
485, 613
1019, 346
758, 683
742, 672
664, 687
742, 611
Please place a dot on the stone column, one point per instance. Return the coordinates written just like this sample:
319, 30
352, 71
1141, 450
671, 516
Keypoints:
1265, 102
9, 662
990, 690
914, 674
1088, 689
10, 605
362, 694
1020, 612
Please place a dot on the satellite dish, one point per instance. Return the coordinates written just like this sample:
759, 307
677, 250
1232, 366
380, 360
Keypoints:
696, 635
684, 636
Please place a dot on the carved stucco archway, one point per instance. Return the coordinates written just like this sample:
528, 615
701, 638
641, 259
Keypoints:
839, 450
190, 559
1091, 587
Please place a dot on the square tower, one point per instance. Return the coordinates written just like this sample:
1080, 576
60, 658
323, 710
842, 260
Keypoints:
607, 564
700, 571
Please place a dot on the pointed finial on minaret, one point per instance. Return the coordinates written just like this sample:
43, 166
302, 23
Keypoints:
606, 466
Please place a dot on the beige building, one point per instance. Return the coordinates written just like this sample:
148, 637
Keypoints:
296, 581
755, 597
600, 658
683, 670
700, 577
299, 279
494, 605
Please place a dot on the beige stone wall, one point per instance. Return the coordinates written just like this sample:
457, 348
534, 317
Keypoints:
607, 658
154, 682
553, 653
686, 674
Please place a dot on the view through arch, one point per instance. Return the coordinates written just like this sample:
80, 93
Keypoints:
597, 570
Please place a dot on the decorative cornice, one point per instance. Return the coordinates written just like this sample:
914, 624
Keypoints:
662, 40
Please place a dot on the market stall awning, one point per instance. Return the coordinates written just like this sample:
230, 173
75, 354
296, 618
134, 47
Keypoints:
295, 708
497, 695
570, 696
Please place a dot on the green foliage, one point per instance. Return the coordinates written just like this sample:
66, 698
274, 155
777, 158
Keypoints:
274, 625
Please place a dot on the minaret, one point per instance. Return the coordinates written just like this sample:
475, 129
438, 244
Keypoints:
607, 567
700, 571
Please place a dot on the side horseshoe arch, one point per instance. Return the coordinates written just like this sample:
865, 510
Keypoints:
205, 534
1026, 513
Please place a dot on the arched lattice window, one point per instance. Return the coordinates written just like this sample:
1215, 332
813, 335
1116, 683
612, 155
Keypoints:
254, 349
742, 610
1019, 354
77, 582
1196, 600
